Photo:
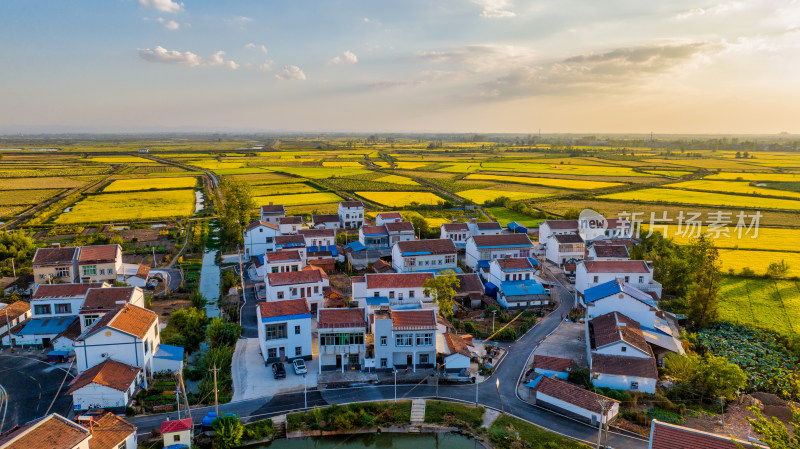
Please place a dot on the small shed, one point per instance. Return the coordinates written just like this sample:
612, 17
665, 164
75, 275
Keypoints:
573, 401
177, 434
168, 358
517, 228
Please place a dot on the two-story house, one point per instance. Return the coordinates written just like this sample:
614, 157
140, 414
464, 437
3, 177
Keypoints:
424, 255
516, 283
563, 247
12, 315
306, 284
637, 273
318, 237
387, 217
487, 247
284, 330
404, 339
619, 356
291, 242
457, 232
100, 301
351, 214
99, 263
555, 227
390, 289
272, 213
128, 334
259, 237
281, 261
326, 221
55, 265
373, 237
290, 225
342, 338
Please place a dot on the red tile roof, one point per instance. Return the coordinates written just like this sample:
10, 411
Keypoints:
469, 283
402, 226
670, 436
558, 364
289, 239
64, 290
352, 204
284, 308
317, 232
568, 238
99, 253
291, 220
616, 266
615, 327
455, 227
325, 218
51, 432
396, 280
176, 425
571, 393
72, 332
54, 256
488, 226
110, 373
562, 224
514, 263
294, 277
382, 266
109, 431
456, 344
615, 251
130, 319
283, 256
273, 209
624, 366
371, 230
414, 319
390, 216
14, 311
516, 240
340, 318
105, 299
256, 223
434, 246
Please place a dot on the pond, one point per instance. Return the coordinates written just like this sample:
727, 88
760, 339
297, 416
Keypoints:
379, 441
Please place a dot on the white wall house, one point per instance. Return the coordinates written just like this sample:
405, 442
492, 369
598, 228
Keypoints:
290, 225
35, 434
306, 284
571, 400
129, 335
376, 289
387, 217
374, 237
110, 384
100, 301
485, 228
284, 330
598, 251
10, 316
458, 352
259, 237
563, 247
457, 232
488, 247
342, 338
60, 299
405, 339
326, 221
272, 213
637, 273
556, 227
517, 284
318, 237
619, 356
282, 261
424, 255
291, 242
351, 214
99, 263
550, 366
177, 432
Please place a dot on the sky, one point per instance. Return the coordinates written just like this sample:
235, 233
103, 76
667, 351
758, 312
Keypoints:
487, 66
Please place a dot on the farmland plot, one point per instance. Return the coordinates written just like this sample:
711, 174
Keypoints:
130, 185
24, 197
550, 182
130, 206
703, 198
401, 199
777, 177
39, 183
731, 187
298, 199
480, 196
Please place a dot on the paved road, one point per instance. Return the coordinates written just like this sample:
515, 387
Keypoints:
31, 385
247, 317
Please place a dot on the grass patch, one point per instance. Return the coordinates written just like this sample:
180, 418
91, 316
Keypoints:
351, 416
131, 206
507, 432
454, 414
480, 196
505, 216
258, 430
766, 303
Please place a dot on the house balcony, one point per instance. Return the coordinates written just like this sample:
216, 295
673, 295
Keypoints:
342, 349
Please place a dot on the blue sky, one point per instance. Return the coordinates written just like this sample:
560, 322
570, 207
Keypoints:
443, 66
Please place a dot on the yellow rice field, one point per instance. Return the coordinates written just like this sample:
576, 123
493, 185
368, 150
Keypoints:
732, 187
129, 185
758, 261
298, 199
765, 239
774, 177
703, 198
395, 179
480, 196
128, 206
550, 182
400, 199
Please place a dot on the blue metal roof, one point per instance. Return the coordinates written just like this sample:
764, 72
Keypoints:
533, 383
299, 316
520, 288
42, 326
355, 246
516, 227
525, 245
408, 306
533, 261
331, 248
484, 263
614, 287
169, 352
58, 353
378, 301
292, 245
260, 258
416, 253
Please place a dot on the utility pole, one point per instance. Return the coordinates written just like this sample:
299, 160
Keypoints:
185, 398
605, 404
216, 399
13, 268
494, 313
8, 329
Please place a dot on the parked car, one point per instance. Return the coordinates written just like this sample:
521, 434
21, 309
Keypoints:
299, 366
278, 370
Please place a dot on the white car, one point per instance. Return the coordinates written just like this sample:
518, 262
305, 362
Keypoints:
299, 366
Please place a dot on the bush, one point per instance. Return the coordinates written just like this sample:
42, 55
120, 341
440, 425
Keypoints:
665, 416
258, 430
469, 327
580, 376
229, 431
351, 416
508, 333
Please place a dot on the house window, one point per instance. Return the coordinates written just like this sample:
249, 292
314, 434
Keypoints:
88, 320
527, 276
298, 351
268, 240
377, 294
641, 279
280, 295
404, 340
122, 446
89, 270
508, 277
411, 293
596, 278
43, 309
384, 363
62, 272
64, 308
424, 339
316, 289
294, 291
103, 271
297, 330
391, 294
627, 278
383, 341
275, 269
624, 349
272, 352
274, 331
423, 359
634, 385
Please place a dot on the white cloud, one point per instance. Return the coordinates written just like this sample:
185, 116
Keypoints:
494, 9
715, 10
291, 72
162, 5
239, 19
162, 55
253, 46
348, 57
266, 66
172, 25
263, 49
217, 58
250, 45
366, 19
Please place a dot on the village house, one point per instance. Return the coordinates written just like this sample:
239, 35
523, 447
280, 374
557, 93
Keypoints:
390, 289
134, 274
487, 247
573, 401
457, 232
318, 237
516, 284
110, 384
284, 330
484, 228
282, 261
129, 334
548, 228
11, 316
424, 255
385, 235
291, 242
458, 352
351, 214
308, 284
660, 329
637, 273
672, 436
177, 433
618, 228
259, 237
290, 225
272, 213
607, 252
56, 432
168, 358
387, 217
99, 301
470, 290
404, 339
99, 263
326, 221
342, 339
619, 356
565, 247
55, 265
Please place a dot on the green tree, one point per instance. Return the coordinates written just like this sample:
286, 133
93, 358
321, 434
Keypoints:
706, 377
228, 431
234, 211
222, 333
773, 432
703, 295
572, 214
420, 225
442, 289
186, 328
198, 300
778, 269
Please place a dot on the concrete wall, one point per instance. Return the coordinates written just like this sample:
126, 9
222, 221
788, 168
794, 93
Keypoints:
623, 382
117, 346
100, 396
630, 307
574, 411
398, 355
255, 240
